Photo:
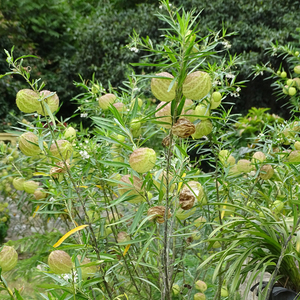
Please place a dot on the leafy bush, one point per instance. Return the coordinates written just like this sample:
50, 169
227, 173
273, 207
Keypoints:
146, 220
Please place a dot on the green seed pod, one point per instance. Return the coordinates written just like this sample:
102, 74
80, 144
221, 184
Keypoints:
132, 184
199, 296
52, 102
88, 271
105, 101
70, 133
63, 151
244, 165
164, 115
30, 186
258, 157
196, 85
18, 183
160, 87
60, 262
142, 160
28, 144
203, 128
27, 101
266, 172
201, 286
297, 69
8, 258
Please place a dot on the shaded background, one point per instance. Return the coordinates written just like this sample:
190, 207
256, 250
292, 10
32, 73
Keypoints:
75, 37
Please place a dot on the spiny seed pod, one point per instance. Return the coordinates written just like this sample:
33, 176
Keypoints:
258, 157
39, 194
199, 296
297, 69
95, 89
197, 190
184, 214
196, 235
120, 107
186, 198
52, 102
142, 160
224, 291
105, 101
157, 214
190, 115
63, 150
30, 186
202, 112
8, 258
266, 172
166, 141
225, 158
60, 262
113, 217
297, 145
200, 222
28, 144
244, 165
176, 289
123, 237
160, 87
70, 133
88, 271
132, 184
27, 100
188, 104
196, 85
203, 128
57, 172
18, 183
277, 206
297, 82
183, 128
115, 177
159, 180
135, 124
201, 286
139, 102
164, 115
294, 156
136, 133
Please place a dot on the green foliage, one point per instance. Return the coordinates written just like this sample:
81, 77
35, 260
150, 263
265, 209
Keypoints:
91, 37
148, 223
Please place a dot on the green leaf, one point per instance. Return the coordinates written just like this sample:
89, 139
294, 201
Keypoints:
137, 218
145, 248
55, 286
19, 297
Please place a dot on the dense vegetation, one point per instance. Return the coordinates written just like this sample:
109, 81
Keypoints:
90, 37
167, 194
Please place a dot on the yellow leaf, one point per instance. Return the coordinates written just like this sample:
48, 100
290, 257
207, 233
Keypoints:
40, 174
100, 187
37, 208
82, 186
126, 249
180, 183
68, 234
